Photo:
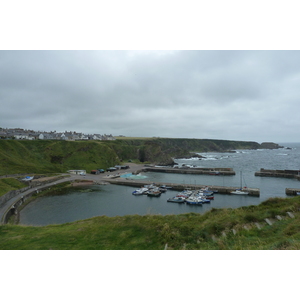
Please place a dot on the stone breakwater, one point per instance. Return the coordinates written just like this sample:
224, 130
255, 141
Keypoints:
279, 173
5, 198
204, 171
292, 191
11, 201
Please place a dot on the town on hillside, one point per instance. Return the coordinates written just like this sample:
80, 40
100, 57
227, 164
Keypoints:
25, 134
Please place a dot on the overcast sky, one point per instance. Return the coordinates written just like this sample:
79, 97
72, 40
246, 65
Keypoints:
236, 95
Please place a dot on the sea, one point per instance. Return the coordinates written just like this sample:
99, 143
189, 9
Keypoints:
113, 200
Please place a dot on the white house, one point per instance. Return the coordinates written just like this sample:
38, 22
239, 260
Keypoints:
77, 172
97, 137
21, 136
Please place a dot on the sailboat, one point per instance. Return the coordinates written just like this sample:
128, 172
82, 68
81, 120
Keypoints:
240, 190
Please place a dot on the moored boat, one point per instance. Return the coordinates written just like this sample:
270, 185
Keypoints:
206, 191
214, 173
141, 191
150, 186
176, 200
162, 189
239, 192
182, 195
154, 193
205, 200
206, 196
193, 200
185, 194
166, 187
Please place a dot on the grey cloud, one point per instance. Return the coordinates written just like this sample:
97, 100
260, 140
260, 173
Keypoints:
200, 94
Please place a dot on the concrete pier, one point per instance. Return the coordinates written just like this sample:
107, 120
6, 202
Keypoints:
292, 192
204, 171
180, 187
279, 173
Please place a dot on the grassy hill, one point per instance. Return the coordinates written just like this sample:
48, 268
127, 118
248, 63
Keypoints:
53, 156
46, 156
216, 229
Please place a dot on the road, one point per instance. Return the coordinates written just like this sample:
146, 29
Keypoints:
97, 178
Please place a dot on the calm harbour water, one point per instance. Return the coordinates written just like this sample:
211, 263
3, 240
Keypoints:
113, 200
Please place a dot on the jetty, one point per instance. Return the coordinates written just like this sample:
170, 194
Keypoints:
292, 191
294, 174
188, 170
180, 187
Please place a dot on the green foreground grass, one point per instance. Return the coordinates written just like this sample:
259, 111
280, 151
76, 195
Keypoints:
187, 231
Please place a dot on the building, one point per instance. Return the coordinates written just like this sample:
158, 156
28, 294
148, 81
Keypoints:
24, 134
77, 172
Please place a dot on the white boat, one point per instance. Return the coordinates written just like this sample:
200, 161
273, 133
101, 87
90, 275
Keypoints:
203, 198
182, 195
176, 200
154, 192
194, 200
140, 191
240, 191
186, 193
150, 186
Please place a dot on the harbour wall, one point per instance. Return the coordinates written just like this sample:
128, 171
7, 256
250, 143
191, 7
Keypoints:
292, 191
14, 208
180, 187
5, 198
11, 201
204, 171
279, 173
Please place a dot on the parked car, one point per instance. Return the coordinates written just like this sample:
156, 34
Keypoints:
125, 167
101, 170
95, 172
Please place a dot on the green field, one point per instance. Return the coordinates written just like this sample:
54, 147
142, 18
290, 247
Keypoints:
210, 231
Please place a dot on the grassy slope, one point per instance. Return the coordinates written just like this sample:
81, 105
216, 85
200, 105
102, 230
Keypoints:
59, 156
160, 150
189, 231
9, 184
53, 156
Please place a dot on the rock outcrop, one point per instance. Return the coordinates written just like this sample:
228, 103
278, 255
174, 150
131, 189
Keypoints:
269, 145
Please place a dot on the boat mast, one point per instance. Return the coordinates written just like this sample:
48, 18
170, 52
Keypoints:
241, 185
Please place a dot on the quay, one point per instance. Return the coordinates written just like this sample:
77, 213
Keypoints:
187, 170
292, 192
294, 174
180, 187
